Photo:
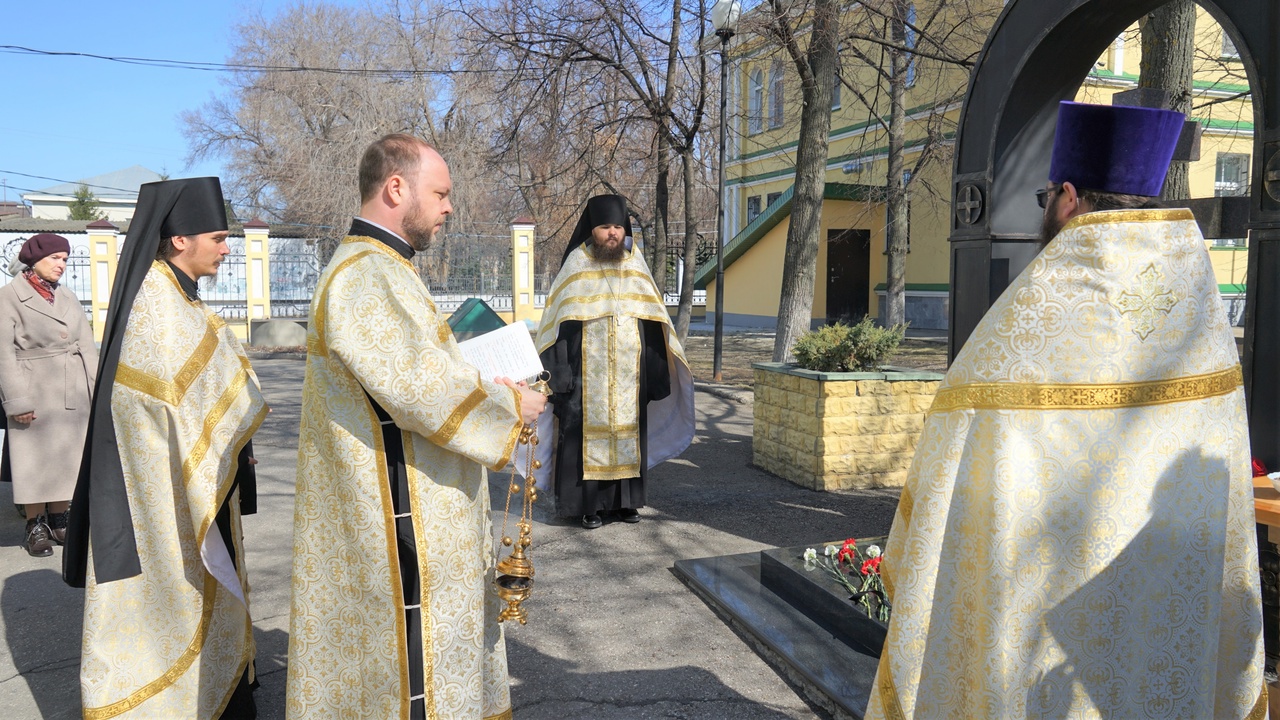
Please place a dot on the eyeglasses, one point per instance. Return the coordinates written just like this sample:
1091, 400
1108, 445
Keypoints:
1042, 195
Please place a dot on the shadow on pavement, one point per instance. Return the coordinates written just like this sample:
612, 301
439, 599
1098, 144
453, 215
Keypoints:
42, 622
549, 687
713, 483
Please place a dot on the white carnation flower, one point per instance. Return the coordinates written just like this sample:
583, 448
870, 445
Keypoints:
831, 551
873, 551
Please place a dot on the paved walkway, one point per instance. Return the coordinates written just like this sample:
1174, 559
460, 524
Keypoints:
612, 633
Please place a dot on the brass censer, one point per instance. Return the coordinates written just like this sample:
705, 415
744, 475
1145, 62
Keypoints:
515, 571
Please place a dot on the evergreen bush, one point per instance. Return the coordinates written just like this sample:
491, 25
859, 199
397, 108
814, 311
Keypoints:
847, 348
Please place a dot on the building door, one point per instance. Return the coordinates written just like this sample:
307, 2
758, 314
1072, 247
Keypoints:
848, 274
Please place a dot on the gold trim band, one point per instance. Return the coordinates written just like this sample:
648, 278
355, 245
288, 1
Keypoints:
316, 344
170, 676
450, 427
1259, 710
1102, 396
1129, 216
172, 392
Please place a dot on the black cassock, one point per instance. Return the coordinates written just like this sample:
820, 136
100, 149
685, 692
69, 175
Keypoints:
575, 496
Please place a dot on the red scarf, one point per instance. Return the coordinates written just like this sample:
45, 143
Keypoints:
42, 286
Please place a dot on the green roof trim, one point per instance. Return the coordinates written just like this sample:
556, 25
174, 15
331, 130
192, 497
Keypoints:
1217, 124
919, 287
830, 134
769, 219
1231, 289
833, 160
1228, 248
1197, 84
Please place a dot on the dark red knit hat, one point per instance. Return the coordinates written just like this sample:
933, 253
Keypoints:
39, 247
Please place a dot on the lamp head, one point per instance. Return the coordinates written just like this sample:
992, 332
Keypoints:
724, 16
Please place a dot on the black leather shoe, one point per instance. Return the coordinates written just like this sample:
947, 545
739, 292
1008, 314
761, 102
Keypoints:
591, 522
629, 515
58, 526
38, 543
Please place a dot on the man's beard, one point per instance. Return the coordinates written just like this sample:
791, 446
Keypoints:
1050, 226
418, 233
606, 253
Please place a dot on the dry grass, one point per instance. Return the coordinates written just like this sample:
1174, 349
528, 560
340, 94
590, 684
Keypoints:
742, 349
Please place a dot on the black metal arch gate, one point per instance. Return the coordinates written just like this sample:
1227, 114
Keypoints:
1038, 54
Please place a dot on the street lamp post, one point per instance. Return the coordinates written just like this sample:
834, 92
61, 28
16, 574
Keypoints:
724, 17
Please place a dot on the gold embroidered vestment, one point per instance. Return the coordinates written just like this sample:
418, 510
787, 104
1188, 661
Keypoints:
1076, 534
375, 333
175, 640
609, 298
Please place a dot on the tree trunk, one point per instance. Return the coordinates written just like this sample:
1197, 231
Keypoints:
896, 208
661, 203
684, 314
795, 307
1168, 48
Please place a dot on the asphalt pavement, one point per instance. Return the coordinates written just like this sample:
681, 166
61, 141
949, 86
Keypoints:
612, 633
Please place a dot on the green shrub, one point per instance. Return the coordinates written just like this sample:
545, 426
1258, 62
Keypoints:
847, 348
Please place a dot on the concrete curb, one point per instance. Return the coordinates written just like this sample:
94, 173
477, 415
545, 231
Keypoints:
726, 392
274, 354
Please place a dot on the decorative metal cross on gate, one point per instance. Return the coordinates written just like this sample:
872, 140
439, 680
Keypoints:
969, 204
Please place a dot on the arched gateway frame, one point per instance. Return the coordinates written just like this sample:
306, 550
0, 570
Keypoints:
1038, 54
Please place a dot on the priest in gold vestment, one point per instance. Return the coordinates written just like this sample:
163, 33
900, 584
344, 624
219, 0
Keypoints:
623, 393
1076, 535
394, 613
154, 535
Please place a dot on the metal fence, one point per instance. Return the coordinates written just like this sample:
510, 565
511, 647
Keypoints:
75, 278
706, 250
226, 292
294, 273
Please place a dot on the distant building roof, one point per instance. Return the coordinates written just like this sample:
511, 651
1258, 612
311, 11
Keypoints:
38, 225
13, 207
117, 185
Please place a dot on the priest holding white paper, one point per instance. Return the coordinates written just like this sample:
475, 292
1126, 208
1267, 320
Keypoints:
394, 613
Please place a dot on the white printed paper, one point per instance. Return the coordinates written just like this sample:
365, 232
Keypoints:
506, 352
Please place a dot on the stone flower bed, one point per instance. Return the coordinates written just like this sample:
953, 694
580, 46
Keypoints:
839, 430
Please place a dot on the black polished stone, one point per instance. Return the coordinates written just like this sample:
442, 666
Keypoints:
821, 599
829, 663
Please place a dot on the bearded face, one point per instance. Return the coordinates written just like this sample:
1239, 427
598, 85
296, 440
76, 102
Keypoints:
608, 243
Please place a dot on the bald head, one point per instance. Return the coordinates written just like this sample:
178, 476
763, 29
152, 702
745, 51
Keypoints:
405, 187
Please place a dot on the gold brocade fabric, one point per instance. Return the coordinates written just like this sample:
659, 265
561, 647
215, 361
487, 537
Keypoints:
611, 412
175, 640
609, 298
375, 329
1076, 535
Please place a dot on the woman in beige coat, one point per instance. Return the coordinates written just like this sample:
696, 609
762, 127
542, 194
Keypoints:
47, 365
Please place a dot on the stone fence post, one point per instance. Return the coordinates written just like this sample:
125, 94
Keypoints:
103, 241
522, 287
257, 273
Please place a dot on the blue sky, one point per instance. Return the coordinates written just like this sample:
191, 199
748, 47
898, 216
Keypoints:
70, 118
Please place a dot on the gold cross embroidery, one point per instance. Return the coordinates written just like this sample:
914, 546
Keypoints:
1146, 305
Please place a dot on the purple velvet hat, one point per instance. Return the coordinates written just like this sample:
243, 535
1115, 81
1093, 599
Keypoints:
1114, 148
39, 247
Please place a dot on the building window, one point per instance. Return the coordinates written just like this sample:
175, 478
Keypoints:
768, 199
1229, 47
776, 95
755, 109
753, 208
835, 92
912, 37
1233, 175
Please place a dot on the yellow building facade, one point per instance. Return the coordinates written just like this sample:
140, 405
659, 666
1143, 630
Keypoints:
764, 126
